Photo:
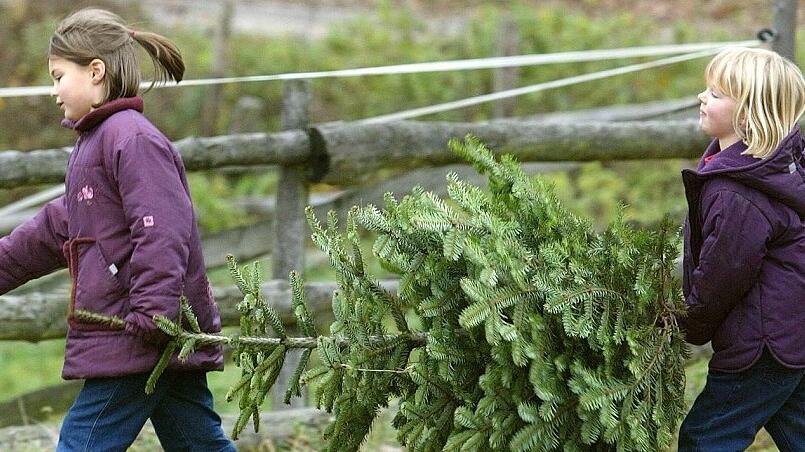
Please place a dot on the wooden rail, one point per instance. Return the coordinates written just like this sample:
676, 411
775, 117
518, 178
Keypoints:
346, 153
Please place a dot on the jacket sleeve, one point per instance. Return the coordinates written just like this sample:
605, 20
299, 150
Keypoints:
34, 248
158, 210
734, 233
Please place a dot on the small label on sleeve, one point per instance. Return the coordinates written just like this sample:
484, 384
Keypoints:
113, 269
792, 168
148, 221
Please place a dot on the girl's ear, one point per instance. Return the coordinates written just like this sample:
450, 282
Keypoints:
98, 70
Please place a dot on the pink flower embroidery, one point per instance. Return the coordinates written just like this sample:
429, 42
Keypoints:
86, 193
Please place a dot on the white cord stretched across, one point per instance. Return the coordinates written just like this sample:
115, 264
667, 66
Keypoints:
416, 112
436, 66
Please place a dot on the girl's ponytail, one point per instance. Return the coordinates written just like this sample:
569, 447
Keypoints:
91, 33
168, 63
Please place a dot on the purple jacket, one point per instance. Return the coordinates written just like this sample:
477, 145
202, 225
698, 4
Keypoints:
744, 258
126, 230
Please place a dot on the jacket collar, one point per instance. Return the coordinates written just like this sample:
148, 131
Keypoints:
731, 157
98, 115
733, 160
780, 176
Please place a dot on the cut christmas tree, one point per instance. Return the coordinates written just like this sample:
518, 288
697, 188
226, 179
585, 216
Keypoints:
516, 326
540, 334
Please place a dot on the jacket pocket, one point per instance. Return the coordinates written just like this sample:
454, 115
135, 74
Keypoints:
95, 287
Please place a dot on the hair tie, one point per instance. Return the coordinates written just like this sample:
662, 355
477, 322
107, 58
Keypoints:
131, 33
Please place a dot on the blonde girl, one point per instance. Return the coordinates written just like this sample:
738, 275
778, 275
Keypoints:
744, 257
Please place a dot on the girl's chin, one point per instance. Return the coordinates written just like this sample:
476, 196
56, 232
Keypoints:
72, 114
705, 127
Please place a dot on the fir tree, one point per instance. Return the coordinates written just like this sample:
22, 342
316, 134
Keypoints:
541, 334
515, 326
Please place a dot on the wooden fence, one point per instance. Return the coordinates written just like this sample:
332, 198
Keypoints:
346, 154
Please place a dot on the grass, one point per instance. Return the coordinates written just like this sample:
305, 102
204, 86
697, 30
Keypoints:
27, 367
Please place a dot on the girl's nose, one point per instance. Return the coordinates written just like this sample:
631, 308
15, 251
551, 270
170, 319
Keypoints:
702, 96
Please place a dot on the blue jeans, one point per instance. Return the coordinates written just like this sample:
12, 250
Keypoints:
109, 413
734, 406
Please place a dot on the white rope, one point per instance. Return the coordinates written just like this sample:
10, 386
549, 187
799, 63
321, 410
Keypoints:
413, 113
437, 66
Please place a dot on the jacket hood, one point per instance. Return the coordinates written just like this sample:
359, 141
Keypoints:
780, 176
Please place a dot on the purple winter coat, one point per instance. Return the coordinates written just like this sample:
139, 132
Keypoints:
744, 258
126, 230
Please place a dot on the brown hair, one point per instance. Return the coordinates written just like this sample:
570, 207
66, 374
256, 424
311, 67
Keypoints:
88, 34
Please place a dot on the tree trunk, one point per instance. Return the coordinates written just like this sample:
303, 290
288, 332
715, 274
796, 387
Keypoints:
35, 317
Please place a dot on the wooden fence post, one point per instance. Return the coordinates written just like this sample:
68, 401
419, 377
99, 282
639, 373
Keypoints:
785, 24
220, 61
508, 44
248, 115
290, 223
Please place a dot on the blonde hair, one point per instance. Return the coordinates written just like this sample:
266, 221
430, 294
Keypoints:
769, 92
90, 33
